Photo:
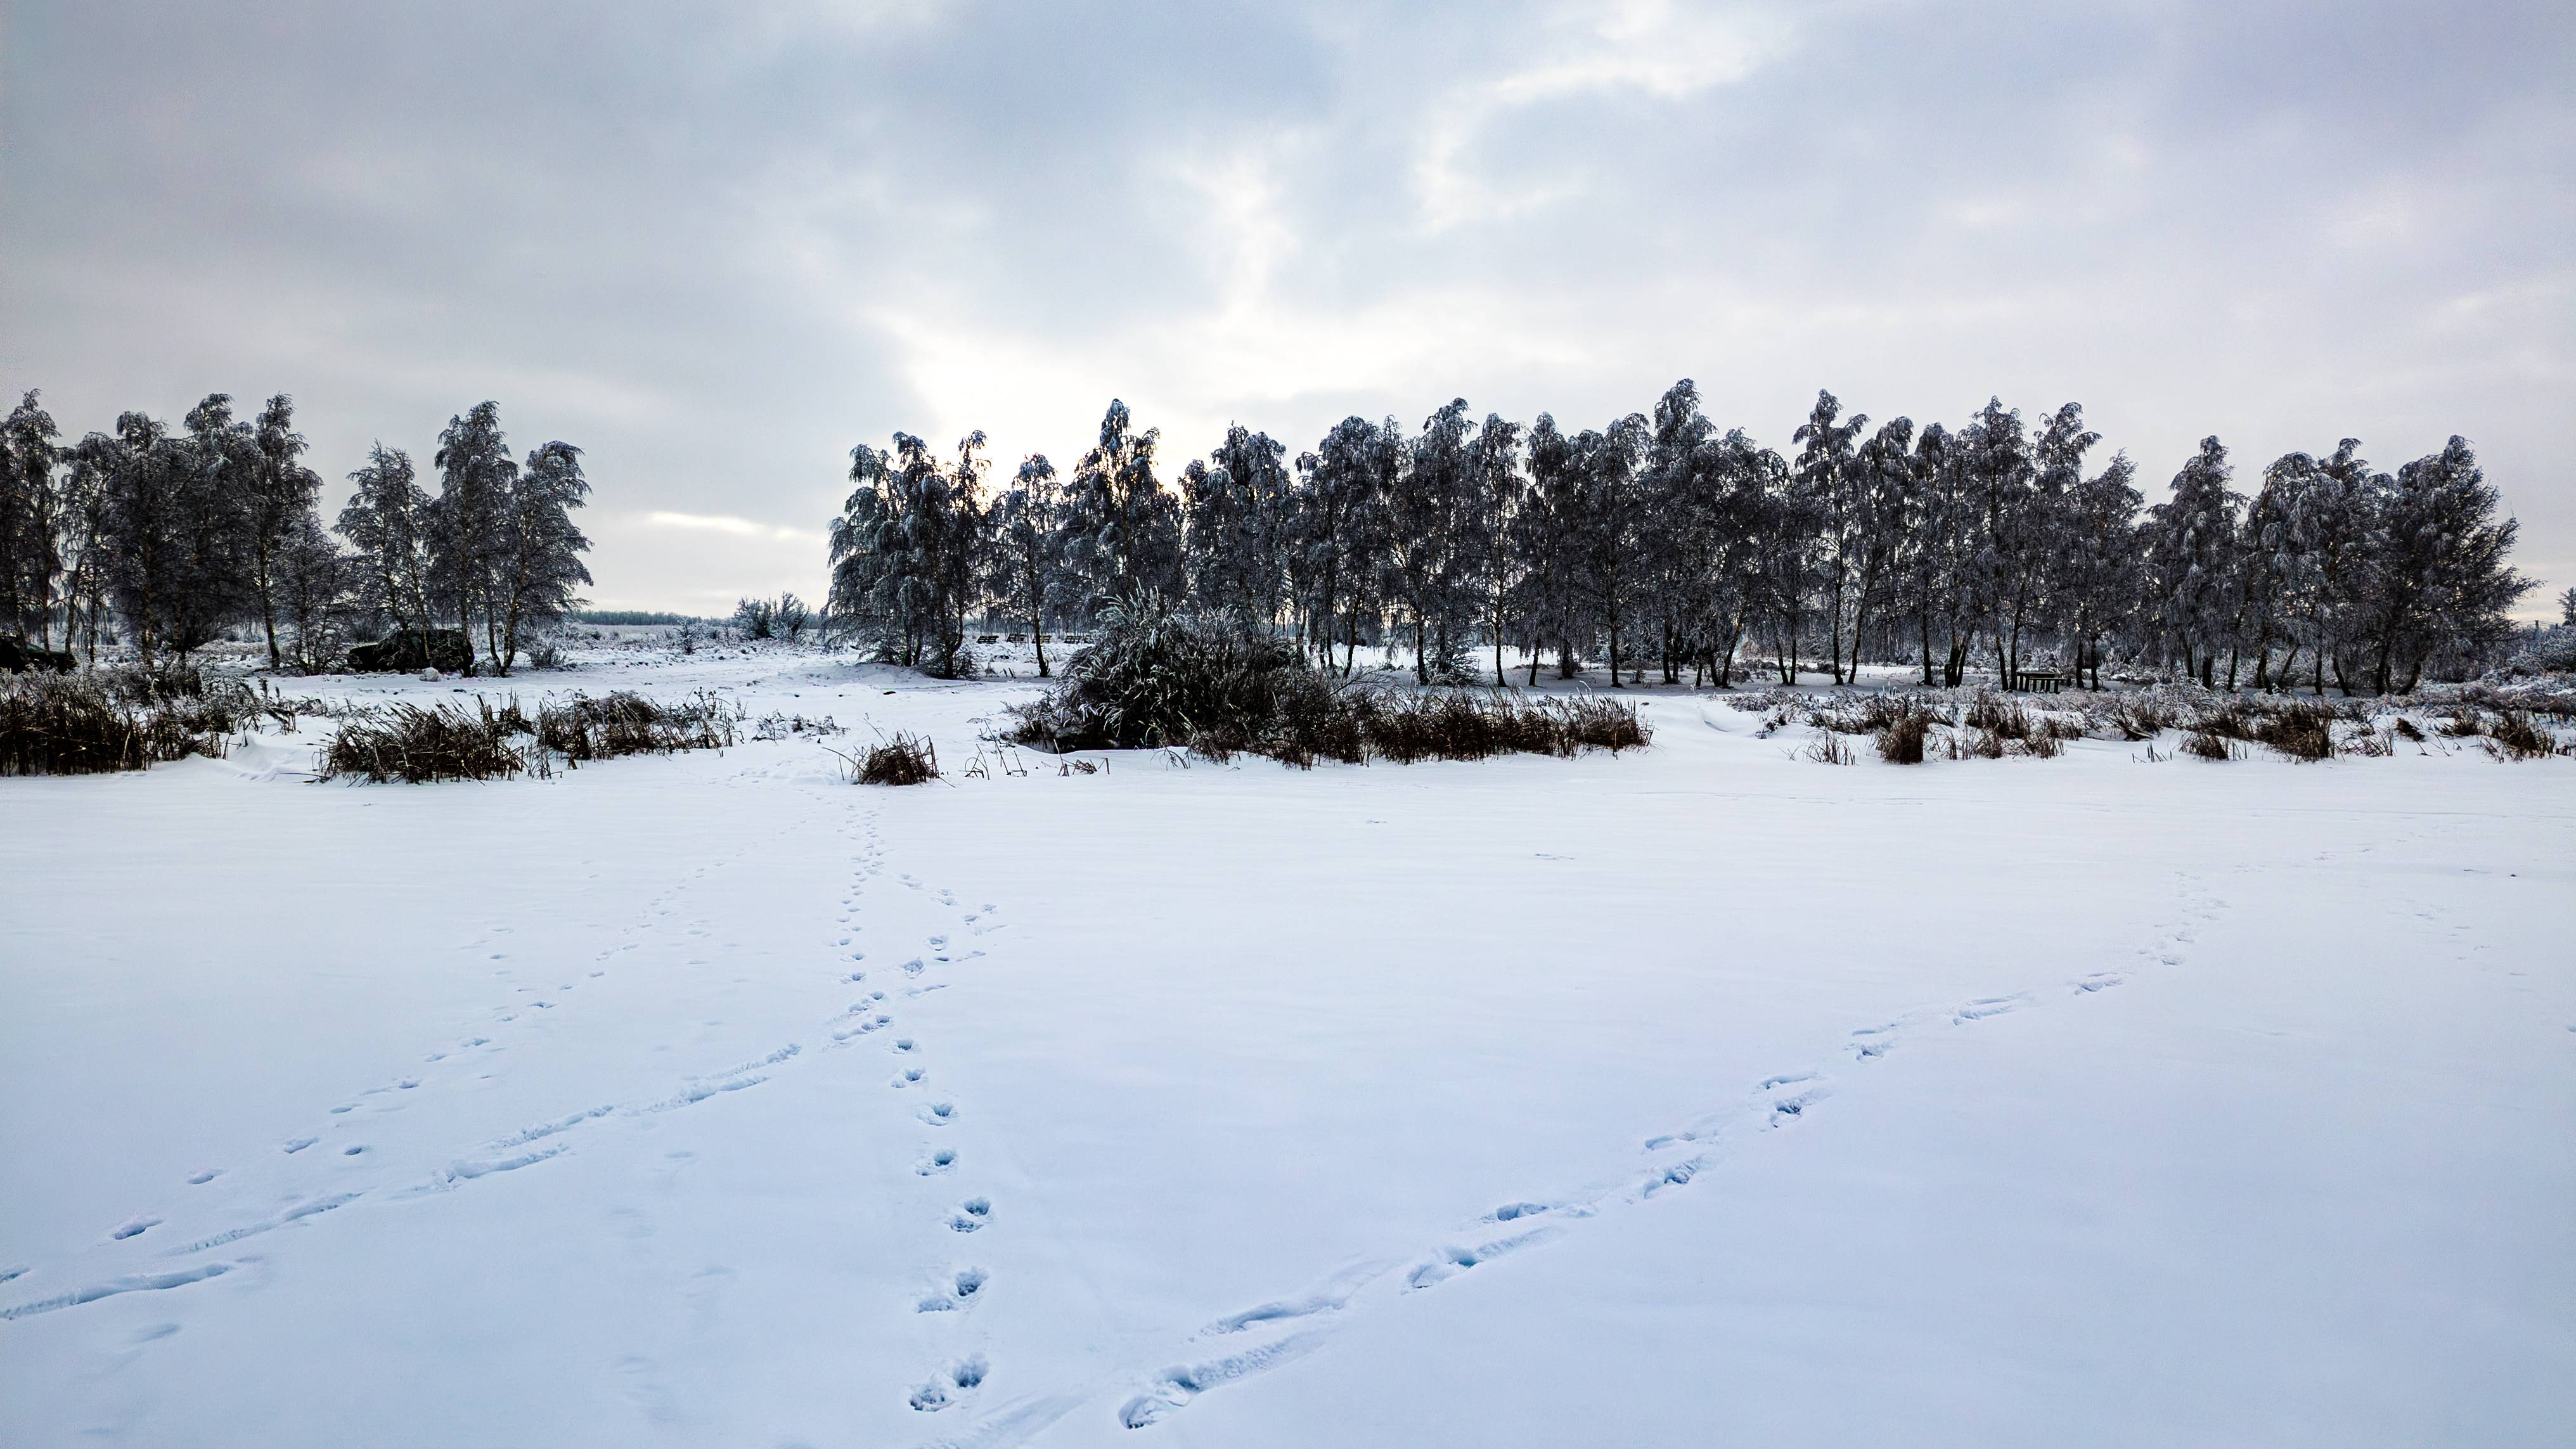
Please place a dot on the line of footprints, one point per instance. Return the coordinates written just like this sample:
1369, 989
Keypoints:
1297, 1326
958, 1288
348, 1117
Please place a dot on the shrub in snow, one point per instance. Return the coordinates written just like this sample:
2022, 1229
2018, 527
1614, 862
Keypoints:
420, 746
2204, 745
124, 719
2514, 737
1900, 740
903, 760
1159, 678
625, 723
448, 741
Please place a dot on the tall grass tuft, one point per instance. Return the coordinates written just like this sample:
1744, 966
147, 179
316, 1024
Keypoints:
904, 760
449, 741
98, 721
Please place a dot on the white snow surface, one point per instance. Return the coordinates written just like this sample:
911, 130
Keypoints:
1698, 1095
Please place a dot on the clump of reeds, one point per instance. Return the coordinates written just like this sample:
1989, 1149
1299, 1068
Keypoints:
95, 721
903, 760
444, 741
449, 741
2207, 745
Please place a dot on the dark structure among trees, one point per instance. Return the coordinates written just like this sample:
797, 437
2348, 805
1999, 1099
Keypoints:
174, 536
1665, 542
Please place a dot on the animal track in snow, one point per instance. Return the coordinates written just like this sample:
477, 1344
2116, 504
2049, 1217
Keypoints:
296, 1214
939, 1114
1989, 1006
959, 1291
1175, 1387
966, 1373
1329, 1299
136, 1283
133, 1227
908, 1076
937, 1162
1453, 1261
971, 1215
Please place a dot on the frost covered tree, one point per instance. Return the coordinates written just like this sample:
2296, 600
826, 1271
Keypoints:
1612, 515
1547, 542
1488, 562
2095, 563
2567, 609
2191, 546
313, 590
536, 555
1025, 580
34, 521
1427, 523
2438, 580
907, 550
1338, 533
1831, 488
387, 520
1238, 506
164, 556
469, 517
277, 493
1122, 529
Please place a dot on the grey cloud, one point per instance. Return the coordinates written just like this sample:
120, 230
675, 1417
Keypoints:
717, 245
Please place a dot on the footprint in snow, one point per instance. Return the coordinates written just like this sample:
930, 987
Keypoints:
1455, 1260
971, 1214
937, 1162
965, 1374
939, 1114
908, 1077
1175, 1387
961, 1290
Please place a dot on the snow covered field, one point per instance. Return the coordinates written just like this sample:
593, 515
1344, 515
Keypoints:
1699, 1095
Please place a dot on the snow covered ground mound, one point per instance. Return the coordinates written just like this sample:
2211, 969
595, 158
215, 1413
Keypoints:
1703, 1094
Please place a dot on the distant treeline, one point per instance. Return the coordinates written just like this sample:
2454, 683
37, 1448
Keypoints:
179, 535
630, 616
1666, 539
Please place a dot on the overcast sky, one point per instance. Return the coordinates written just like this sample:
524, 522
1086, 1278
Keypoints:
717, 245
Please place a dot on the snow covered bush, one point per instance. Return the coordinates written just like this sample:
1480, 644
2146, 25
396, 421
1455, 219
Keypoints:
1161, 678
2544, 652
